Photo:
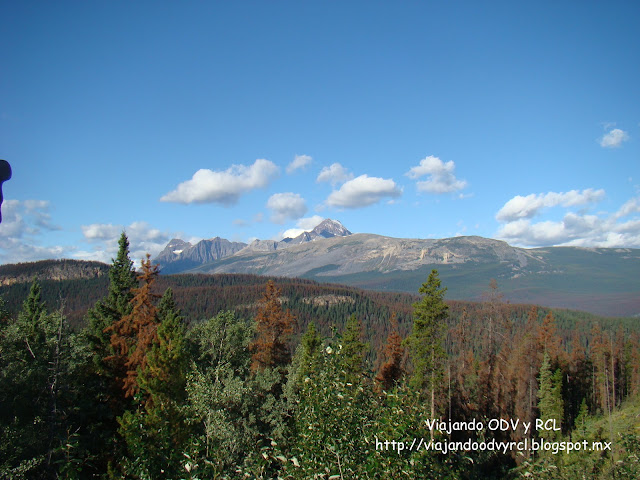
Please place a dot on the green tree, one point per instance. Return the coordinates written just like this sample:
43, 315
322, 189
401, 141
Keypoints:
353, 349
220, 398
550, 402
156, 432
41, 374
133, 335
425, 341
108, 367
117, 304
333, 422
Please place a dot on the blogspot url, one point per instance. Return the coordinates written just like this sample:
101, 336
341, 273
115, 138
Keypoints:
527, 444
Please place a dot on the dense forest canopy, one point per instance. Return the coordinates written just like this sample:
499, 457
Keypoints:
237, 376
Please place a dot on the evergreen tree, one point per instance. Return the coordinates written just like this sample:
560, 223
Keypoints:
134, 334
352, 348
550, 402
391, 369
306, 359
425, 341
117, 304
4, 313
273, 328
41, 373
156, 432
33, 306
165, 375
108, 365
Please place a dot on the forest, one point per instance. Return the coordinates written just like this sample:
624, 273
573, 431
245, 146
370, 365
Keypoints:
155, 384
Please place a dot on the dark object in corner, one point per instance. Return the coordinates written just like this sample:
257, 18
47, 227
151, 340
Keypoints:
5, 174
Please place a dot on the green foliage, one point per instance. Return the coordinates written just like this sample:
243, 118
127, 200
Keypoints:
117, 304
333, 422
550, 403
156, 432
201, 412
42, 366
108, 400
164, 377
352, 349
425, 341
219, 395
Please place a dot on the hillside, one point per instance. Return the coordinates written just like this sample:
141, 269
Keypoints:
602, 281
201, 297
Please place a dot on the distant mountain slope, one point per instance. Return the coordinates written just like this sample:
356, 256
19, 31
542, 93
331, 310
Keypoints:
179, 256
203, 296
51, 270
602, 281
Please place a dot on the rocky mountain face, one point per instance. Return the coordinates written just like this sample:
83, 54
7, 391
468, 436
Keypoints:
51, 270
326, 229
359, 253
179, 256
600, 280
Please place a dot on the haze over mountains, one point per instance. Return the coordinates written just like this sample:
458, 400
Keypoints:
600, 280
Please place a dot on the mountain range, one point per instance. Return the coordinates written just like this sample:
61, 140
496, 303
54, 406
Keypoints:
600, 280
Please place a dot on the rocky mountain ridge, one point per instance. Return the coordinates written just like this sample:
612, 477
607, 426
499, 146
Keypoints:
601, 280
51, 270
179, 256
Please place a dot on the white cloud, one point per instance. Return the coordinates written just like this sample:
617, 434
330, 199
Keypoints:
99, 232
224, 187
303, 225
286, 206
143, 239
441, 177
299, 161
520, 207
577, 229
363, 191
629, 207
23, 225
28, 217
334, 174
614, 138
15, 251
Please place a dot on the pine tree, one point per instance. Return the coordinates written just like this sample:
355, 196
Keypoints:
353, 349
108, 365
134, 334
33, 306
41, 365
549, 340
4, 313
165, 374
311, 349
550, 403
117, 304
271, 347
156, 433
391, 369
425, 341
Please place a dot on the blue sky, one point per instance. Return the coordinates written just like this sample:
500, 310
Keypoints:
244, 120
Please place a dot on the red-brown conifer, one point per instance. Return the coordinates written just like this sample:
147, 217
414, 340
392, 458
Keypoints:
274, 326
